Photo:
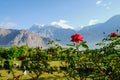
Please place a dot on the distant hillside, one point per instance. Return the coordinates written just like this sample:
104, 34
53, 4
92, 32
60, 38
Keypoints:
53, 32
92, 34
10, 37
39, 35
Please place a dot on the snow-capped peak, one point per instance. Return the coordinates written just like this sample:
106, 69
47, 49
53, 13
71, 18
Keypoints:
39, 25
62, 24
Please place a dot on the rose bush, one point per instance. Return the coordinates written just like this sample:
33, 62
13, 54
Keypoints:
97, 64
113, 34
76, 38
21, 57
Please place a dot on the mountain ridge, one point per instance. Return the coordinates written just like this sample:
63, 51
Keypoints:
92, 34
10, 37
39, 35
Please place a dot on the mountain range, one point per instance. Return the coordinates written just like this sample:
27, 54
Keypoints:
10, 37
39, 35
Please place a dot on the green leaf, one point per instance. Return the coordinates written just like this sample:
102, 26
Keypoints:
112, 55
70, 44
84, 44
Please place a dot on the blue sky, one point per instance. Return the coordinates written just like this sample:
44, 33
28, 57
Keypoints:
66, 13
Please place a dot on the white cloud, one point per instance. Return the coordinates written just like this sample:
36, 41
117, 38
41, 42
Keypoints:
9, 25
93, 21
79, 28
82, 26
62, 23
107, 5
103, 3
99, 2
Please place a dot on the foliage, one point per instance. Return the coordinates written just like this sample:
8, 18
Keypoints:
96, 64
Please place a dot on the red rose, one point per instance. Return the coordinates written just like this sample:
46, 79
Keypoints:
21, 57
113, 34
76, 38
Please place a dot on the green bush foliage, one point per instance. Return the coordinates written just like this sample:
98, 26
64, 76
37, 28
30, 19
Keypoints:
97, 64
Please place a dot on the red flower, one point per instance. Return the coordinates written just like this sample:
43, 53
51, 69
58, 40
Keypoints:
21, 57
76, 38
113, 34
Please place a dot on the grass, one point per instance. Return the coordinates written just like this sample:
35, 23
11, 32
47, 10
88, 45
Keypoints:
44, 76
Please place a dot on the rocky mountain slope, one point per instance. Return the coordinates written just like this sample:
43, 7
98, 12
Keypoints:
53, 32
39, 35
21, 37
92, 34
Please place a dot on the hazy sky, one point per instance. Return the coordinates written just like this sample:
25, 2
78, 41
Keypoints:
67, 13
